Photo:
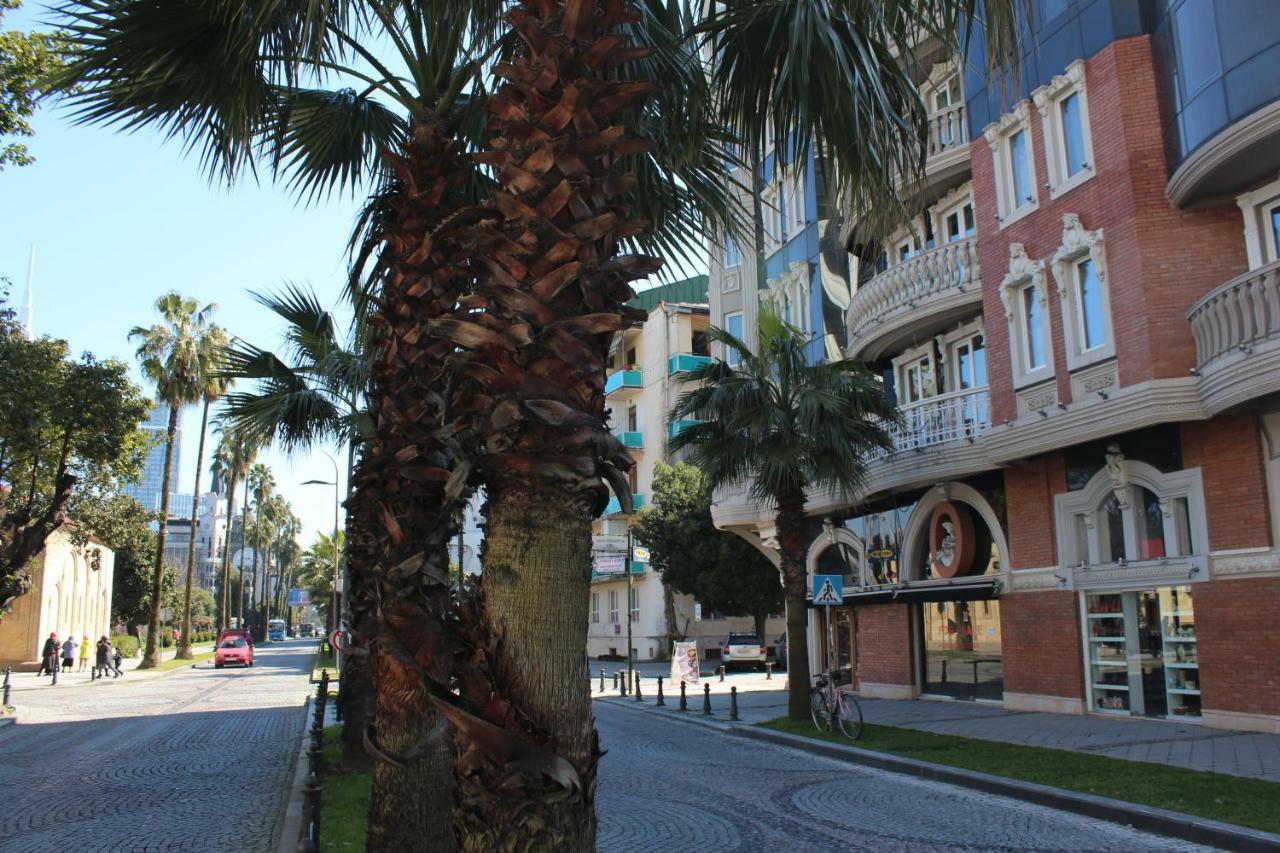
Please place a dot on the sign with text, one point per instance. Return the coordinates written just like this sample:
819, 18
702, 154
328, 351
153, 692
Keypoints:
299, 598
684, 663
641, 554
607, 564
828, 590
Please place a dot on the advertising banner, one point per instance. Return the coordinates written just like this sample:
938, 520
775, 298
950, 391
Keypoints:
684, 663
299, 598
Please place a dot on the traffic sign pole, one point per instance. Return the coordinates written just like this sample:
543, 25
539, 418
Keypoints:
626, 567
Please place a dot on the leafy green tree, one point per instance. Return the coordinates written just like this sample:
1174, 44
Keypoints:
315, 569
26, 62
171, 354
721, 570
784, 427
65, 425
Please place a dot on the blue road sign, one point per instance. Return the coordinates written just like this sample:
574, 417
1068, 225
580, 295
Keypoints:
828, 590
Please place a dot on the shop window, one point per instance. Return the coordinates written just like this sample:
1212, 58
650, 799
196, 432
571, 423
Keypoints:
1010, 143
1080, 271
963, 656
1064, 107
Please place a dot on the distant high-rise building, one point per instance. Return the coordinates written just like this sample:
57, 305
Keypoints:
147, 490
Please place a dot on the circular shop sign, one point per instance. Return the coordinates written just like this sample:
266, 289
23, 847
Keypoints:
951, 540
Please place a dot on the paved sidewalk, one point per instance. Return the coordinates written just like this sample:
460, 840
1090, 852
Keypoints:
1176, 744
25, 685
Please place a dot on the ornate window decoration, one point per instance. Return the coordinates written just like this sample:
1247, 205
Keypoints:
1133, 524
1024, 293
1015, 166
1064, 108
789, 295
838, 550
1080, 270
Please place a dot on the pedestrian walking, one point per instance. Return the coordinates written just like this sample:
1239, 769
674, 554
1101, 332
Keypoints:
115, 658
103, 662
49, 655
84, 651
69, 653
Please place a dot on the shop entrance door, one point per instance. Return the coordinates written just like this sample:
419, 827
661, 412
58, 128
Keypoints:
1142, 653
961, 649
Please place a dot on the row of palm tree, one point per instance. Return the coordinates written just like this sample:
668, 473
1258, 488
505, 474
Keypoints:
494, 254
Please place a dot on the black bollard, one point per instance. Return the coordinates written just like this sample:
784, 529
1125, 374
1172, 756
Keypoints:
56, 667
622, 682
637, 690
601, 679
684, 703
615, 681
660, 699
733, 702
722, 675
768, 672
312, 789
706, 699
7, 671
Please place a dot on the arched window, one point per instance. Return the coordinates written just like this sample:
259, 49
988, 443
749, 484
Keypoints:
837, 551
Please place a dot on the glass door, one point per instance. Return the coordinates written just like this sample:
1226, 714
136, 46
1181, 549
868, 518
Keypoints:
1181, 662
1108, 653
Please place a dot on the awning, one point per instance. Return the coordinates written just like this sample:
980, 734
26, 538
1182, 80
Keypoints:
961, 589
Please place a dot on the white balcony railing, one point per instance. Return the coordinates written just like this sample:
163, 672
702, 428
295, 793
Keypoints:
938, 420
944, 271
1237, 315
948, 129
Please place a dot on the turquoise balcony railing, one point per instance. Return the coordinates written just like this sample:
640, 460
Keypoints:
636, 569
614, 507
633, 440
622, 380
678, 427
684, 362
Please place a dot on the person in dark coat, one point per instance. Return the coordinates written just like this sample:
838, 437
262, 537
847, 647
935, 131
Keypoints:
49, 656
102, 662
115, 658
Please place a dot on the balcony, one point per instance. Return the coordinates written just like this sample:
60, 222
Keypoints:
632, 440
637, 571
960, 415
678, 427
623, 384
685, 362
915, 299
1237, 332
947, 157
615, 506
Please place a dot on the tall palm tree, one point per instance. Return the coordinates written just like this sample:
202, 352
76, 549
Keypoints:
232, 458
261, 484
213, 386
170, 353
785, 427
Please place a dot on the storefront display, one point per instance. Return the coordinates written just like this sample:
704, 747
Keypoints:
962, 649
1141, 653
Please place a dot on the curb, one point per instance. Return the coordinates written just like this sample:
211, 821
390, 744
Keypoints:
1173, 824
291, 826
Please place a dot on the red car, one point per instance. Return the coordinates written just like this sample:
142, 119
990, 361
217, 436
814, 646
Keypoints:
233, 647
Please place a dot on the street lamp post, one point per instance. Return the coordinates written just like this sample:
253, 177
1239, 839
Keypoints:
333, 605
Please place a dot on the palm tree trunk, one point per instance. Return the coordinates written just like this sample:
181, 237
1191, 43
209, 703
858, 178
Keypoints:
184, 644
536, 586
152, 656
792, 528
253, 585
356, 691
244, 541
224, 614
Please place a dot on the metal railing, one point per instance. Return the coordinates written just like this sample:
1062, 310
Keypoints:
1238, 314
311, 788
948, 129
938, 420
948, 269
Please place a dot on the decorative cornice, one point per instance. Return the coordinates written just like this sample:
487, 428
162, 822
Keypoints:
1026, 580
1237, 564
1022, 269
1058, 86
1230, 142
1076, 242
1007, 123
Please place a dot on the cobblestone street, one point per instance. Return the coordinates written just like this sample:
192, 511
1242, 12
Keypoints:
197, 760
666, 785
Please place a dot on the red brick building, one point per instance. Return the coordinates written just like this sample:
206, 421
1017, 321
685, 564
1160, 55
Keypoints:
1082, 330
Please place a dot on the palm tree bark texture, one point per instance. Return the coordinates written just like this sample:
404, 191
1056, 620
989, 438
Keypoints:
551, 295
793, 541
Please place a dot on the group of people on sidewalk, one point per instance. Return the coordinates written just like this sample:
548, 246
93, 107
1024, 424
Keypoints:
63, 656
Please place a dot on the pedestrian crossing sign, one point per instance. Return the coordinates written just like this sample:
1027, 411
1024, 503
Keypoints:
828, 590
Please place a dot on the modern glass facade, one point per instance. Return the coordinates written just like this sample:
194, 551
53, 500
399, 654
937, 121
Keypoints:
147, 490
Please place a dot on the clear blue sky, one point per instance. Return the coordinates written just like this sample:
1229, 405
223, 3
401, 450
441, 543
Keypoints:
118, 219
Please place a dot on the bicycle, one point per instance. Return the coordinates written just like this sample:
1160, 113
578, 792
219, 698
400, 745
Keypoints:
830, 707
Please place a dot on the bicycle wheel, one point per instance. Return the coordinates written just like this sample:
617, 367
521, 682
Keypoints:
819, 711
848, 717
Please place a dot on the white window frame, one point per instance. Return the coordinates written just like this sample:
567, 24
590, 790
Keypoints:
963, 335
1048, 100
911, 358
731, 356
1259, 238
595, 608
635, 602
791, 187
1077, 245
956, 204
999, 135
731, 244
774, 228
1023, 272
613, 606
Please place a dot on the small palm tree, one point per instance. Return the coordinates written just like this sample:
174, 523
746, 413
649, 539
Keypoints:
212, 345
171, 354
785, 427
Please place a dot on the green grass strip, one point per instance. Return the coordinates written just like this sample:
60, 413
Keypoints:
324, 660
1231, 799
175, 663
344, 799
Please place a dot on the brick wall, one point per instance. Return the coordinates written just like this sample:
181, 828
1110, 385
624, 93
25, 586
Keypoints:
1228, 449
1029, 486
1160, 259
1041, 644
1239, 644
885, 644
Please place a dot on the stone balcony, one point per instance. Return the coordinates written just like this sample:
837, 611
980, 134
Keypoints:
947, 157
915, 298
1236, 327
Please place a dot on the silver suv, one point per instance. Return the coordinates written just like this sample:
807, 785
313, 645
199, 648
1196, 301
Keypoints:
743, 650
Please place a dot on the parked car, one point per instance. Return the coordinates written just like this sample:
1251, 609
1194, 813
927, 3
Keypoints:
743, 650
780, 652
234, 646
306, 629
